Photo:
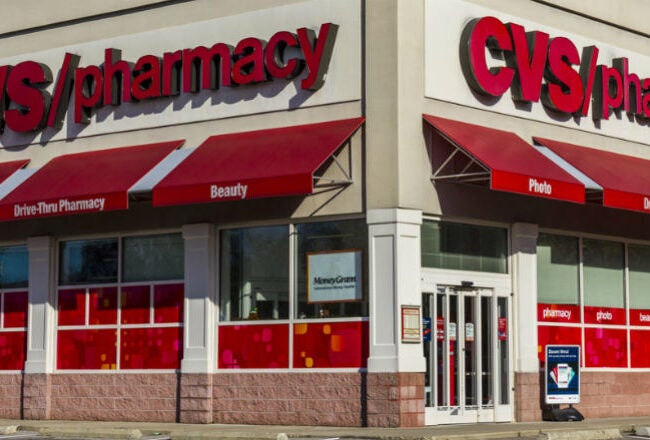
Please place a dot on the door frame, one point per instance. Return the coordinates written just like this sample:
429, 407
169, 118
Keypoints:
501, 286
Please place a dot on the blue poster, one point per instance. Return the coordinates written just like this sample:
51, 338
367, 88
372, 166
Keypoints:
426, 329
562, 374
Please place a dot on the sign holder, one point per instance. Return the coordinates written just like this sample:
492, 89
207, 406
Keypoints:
562, 382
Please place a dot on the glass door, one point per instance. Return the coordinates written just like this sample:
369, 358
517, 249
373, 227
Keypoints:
467, 352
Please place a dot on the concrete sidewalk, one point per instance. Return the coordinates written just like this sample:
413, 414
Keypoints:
597, 429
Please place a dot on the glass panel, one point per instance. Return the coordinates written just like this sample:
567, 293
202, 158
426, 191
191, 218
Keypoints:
264, 345
155, 348
639, 348
605, 347
255, 273
102, 306
639, 264
88, 262
486, 337
14, 266
15, 310
318, 239
153, 258
557, 269
72, 307
135, 303
454, 354
13, 350
556, 335
443, 397
471, 386
86, 349
504, 352
465, 247
603, 263
330, 344
168, 303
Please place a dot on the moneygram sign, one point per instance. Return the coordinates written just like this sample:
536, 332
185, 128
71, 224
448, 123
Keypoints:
537, 66
32, 105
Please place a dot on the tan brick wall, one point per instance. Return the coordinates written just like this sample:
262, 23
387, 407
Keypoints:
113, 396
395, 399
10, 391
327, 399
602, 394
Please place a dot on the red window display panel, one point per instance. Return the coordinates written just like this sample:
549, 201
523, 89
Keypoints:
168, 303
15, 311
135, 304
605, 347
92, 349
640, 317
254, 346
561, 313
13, 349
330, 345
103, 306
151, 348
640, 348
556, 335
605, 315
72, 307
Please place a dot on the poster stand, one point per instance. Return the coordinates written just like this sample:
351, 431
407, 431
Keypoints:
562, 383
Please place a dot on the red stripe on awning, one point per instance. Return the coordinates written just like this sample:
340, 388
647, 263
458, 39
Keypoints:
625, 179
84, 182
255, 164
513, 164
8, 168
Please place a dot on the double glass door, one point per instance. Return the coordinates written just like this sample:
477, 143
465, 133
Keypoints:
467, 351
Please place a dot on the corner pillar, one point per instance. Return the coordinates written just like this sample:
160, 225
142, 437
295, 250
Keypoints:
198, 364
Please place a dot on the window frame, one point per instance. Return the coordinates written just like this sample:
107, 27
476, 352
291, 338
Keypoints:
628, 328
118, 326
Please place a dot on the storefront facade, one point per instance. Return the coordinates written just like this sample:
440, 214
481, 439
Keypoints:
329, 212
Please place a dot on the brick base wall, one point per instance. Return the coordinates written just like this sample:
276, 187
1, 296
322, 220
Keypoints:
114, 396
602, 394
10, 396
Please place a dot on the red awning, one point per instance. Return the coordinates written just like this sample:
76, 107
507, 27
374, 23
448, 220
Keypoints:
255, 164
625, 180
84, 182
8, 168
475, 154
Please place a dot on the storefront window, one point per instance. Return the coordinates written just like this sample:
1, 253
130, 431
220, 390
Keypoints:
329, 264
604, 278
88, 262
153, 258
134, 324
255, 273
14, 301
460, 246
331, 261
557, 269
599, 325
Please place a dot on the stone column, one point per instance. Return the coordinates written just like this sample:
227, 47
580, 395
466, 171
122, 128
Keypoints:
41, 329
200, 329
524, 257
395, 368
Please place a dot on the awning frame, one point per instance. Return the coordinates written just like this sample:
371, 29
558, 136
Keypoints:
320, 181
463, 176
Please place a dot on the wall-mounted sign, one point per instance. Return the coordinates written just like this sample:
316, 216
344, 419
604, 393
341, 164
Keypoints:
515, 66
335, 276
255, 62
562, 374
411, 324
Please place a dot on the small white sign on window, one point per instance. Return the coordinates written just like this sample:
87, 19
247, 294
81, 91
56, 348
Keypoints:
334, 276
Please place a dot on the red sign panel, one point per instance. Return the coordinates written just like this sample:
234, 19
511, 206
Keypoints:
537, 186
566, 313
605, 315
640, 317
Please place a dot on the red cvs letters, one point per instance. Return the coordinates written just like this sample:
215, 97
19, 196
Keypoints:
27, 106
536, 67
